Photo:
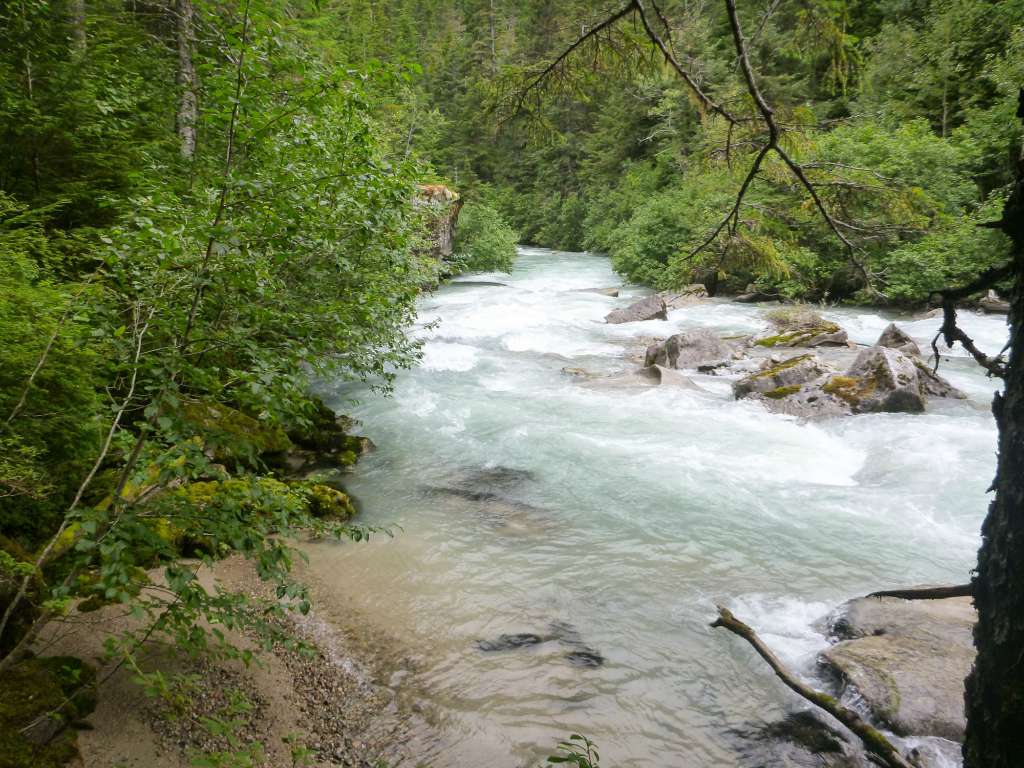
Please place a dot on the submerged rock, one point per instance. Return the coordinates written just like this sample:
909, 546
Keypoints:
585, 657
510, 642
698, 348
894, 338
907, 660
650, 308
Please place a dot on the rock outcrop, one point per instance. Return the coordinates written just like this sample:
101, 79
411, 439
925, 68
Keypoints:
698, 348
907, 659
894, 338
650, 308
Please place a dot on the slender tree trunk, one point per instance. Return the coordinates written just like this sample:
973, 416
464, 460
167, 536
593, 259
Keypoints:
995, 687
494, 47
78, 38
188, 104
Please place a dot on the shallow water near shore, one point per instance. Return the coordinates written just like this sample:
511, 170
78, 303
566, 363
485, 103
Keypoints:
611, 521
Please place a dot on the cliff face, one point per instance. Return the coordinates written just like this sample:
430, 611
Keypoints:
441, 206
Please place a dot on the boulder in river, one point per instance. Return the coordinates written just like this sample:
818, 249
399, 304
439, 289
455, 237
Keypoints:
895, 338
752, 295
907, 659
778, 378
685, 296
801, 327
613, 292
650, 308
880, 380
993, 304
669, 377
697, 348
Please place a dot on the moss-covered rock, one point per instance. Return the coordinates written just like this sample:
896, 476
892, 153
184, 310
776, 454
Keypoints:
781, 377
233, 436
328, 502
41, 697
801, 327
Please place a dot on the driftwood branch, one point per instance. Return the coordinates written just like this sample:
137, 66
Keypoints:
875, 743
927, 593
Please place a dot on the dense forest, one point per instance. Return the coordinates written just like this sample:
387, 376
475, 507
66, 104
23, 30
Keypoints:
206, 205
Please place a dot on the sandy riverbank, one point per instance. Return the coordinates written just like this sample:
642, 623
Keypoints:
343, 705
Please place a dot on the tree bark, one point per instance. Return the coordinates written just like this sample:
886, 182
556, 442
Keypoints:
78, 38
995, 688
188, 101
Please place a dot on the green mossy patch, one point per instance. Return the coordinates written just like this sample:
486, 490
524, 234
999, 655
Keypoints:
779, 367
330, 503
781, 392
43, 696
799, 335
850, 389
233, 435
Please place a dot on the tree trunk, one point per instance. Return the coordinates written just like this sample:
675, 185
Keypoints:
78, 39
188, 104
995, 688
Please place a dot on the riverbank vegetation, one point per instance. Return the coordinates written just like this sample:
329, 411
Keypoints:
206, 205
901, 114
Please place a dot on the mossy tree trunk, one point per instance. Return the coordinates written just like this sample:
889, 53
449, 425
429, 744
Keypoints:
995, 687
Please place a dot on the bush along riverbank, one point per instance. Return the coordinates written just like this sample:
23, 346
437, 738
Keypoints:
262, 487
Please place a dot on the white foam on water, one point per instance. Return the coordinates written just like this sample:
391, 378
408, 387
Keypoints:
633, 509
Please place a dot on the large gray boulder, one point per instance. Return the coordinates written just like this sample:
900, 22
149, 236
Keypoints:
907, 659
698, 348
651, 308
777, 379
881, 379
894, 338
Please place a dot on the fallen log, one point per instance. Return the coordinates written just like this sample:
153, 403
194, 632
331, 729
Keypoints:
927, 593
875, 743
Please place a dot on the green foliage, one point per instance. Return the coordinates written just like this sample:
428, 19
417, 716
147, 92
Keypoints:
484, 242
579, 751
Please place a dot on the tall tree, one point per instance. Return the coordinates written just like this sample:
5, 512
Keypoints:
188, 100
995, 687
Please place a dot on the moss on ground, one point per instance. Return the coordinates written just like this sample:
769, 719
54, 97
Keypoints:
41, 698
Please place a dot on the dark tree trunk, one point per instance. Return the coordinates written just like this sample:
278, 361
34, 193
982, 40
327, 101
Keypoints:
995, 687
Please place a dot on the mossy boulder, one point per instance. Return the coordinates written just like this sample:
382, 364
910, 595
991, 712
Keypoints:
801, 327
41, 698
15, 562
331, 503
782, 377
232, 436
894, 337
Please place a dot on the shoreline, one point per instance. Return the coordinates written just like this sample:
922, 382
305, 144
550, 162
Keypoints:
332, 708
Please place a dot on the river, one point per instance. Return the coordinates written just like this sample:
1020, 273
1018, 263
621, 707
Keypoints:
611, 521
